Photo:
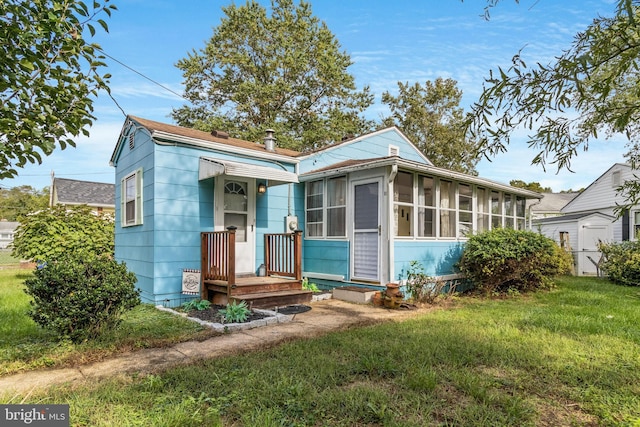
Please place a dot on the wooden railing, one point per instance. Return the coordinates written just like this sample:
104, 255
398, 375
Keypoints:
283, 254
218, 251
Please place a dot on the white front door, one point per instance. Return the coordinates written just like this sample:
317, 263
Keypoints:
365, 253
235, 206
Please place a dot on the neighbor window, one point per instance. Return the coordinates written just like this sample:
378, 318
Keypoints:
327, 204
636, 225
131, 199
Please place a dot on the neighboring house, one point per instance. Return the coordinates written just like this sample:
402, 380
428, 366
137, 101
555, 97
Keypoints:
365, 207
590, 218
551, 205
7, 230
99, 196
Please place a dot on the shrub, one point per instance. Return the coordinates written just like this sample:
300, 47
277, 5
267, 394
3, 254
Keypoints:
196, 304
424, 288
54, 232
235, 312
81, 298
506, 260
622, 262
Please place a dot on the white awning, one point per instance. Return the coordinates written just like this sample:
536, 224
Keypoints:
275, 176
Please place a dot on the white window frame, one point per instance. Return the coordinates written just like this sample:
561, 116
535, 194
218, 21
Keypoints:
325, 209
136, 199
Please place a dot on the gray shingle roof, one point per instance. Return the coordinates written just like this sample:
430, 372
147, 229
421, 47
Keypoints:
74, 192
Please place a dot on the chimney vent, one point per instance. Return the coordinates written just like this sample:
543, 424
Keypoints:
220, 134
270, 141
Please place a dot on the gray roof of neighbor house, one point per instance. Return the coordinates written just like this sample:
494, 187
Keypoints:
553, 202
74, 192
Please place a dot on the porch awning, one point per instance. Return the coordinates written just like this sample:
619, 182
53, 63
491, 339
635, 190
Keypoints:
275, 176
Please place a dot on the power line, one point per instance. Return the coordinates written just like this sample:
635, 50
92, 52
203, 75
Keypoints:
143, 76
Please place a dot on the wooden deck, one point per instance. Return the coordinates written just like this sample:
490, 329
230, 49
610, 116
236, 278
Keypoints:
283, 261
259, 292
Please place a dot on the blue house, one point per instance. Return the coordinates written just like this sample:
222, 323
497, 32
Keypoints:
200, 212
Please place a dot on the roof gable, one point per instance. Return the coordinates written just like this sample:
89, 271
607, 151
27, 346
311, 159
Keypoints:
601, 193
388, 142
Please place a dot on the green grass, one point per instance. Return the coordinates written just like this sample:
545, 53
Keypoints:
566, 357
26, 346
6, 258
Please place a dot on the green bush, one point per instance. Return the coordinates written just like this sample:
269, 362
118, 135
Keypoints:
622, 262
81, 298
506, 260
53, 232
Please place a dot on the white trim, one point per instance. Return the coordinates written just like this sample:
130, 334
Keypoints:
422, 168
211, 146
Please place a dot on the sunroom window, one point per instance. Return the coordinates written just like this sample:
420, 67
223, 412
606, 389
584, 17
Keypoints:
483, 207
465, 210
447, 209
426, 207
403, 204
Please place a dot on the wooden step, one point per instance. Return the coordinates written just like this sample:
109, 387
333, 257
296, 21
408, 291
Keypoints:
275, 298
260, 288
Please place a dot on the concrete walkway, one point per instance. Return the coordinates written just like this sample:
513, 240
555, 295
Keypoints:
325, 316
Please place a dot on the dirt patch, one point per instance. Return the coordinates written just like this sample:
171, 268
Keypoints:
213, 314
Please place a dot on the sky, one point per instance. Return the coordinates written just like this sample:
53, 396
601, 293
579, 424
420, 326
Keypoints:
388, 41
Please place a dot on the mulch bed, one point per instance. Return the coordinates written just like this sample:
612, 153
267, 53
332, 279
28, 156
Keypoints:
213, 315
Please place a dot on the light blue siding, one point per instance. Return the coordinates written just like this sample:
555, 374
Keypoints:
326, 256
437, 257
369, 147
177, 208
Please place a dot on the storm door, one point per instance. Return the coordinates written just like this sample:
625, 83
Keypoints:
366, 231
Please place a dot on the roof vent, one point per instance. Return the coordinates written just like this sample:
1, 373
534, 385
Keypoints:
270, 141
220, 134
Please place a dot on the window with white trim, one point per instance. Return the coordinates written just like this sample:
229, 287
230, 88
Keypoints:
496, 209
483, 207
131, 199
426, 206
465, 210
636, 225
447, 209
326, 208
403, 204
336, 206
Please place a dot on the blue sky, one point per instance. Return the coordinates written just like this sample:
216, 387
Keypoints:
389, 41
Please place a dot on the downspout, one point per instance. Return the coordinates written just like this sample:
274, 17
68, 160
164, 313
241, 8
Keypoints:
390, 240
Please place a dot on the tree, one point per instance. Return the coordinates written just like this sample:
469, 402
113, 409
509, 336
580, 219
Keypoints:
283, 71
533, 186
48, 75
53, 232
19, 201
590, 90
431, 118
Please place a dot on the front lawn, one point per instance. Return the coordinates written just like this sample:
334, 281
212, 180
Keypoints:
25, 346
566, 357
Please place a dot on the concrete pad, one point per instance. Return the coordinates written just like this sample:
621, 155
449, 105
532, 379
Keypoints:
354, 294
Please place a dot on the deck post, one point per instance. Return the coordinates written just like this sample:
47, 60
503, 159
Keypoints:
204, 294
297, 254
232, 259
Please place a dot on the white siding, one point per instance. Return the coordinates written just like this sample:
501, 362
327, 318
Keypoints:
553, 230
601, 194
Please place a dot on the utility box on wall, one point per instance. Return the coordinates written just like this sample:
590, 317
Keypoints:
290, 223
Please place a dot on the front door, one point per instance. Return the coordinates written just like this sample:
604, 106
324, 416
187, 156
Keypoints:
589, 252
235, 206
366, 231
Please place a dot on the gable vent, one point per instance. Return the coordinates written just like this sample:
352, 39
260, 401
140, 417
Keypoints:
132, 141
394, 151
